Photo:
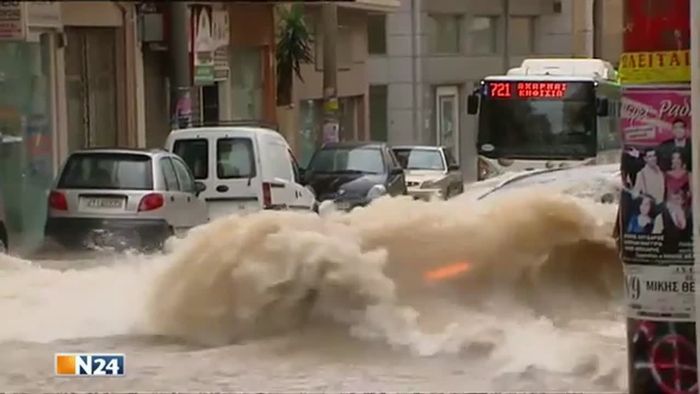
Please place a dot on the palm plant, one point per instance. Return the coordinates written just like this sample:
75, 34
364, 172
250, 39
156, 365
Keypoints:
293, 49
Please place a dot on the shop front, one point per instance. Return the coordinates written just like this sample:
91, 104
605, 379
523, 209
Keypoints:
27, 120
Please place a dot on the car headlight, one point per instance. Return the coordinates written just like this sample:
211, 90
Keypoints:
376, 191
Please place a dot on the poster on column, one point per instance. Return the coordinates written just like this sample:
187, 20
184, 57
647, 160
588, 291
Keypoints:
656, 213
662, 357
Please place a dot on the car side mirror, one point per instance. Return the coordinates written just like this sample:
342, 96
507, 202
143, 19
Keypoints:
602, 105
472, 104
453, 167
199, 187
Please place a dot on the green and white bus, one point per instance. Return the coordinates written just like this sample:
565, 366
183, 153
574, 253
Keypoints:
548, 113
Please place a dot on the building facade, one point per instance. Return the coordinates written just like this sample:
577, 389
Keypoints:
68, 80
236, 81
428, 56
301, 122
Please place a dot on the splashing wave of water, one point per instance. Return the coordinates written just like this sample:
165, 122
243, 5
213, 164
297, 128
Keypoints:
538, 263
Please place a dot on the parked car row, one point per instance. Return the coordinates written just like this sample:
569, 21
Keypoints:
141, 197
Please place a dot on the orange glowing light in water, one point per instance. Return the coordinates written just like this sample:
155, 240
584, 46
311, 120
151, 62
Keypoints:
447, 271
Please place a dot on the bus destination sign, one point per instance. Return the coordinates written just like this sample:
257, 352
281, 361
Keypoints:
530, 90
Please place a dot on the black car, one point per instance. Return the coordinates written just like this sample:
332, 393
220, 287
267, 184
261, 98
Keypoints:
352, 174
4, 243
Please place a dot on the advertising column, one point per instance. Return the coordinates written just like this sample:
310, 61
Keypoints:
656, 221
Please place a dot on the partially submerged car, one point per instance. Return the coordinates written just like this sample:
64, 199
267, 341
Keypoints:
352, 174
123, 198
598, 182
431, 171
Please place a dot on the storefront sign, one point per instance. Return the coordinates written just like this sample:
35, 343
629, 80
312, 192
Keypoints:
221, 33
655, 67
44, 14
204, 44
13, 20
656, 236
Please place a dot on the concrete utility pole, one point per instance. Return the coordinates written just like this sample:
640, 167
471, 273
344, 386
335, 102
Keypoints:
505, 4
180, 80
331, 129
598, 29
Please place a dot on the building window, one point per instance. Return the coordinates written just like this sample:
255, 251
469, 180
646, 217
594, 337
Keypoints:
376, 34
521, 37
481, 35
378, 112
445, 31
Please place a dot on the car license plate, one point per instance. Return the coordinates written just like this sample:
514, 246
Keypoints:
342, 205
104, 203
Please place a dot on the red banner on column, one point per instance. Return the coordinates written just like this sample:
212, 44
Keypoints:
656, 42
656, 25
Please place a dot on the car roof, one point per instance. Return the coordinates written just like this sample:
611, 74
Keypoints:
122, 150
218, 130
422, 147
355, 144
562, 178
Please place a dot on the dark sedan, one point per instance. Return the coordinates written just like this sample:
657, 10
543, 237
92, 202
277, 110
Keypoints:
352, 174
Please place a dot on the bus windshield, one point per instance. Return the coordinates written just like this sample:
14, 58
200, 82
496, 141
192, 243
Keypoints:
537, 120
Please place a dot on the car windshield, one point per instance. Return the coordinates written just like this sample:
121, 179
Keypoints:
338, 160
420, 159
107, 171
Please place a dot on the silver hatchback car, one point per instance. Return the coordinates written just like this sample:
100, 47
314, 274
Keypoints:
124, 198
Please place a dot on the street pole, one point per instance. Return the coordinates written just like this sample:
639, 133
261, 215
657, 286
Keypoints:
695, 131
180, 81
506, 32
598, 29
330, 72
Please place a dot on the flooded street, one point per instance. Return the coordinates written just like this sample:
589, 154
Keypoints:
342, 302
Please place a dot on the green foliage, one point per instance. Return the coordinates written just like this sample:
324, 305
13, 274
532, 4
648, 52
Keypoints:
293, 49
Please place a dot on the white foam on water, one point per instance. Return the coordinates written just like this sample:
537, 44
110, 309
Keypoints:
539, 264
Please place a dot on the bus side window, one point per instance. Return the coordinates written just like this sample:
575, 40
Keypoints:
614, 125
609, 127
603, 131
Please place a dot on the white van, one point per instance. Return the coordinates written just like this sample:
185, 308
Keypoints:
243, 169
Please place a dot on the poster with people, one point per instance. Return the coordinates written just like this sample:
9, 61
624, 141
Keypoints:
656, 213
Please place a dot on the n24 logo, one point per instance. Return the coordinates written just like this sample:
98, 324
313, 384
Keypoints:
633, 287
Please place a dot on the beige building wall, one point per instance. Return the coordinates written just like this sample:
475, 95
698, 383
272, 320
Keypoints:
352, 64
